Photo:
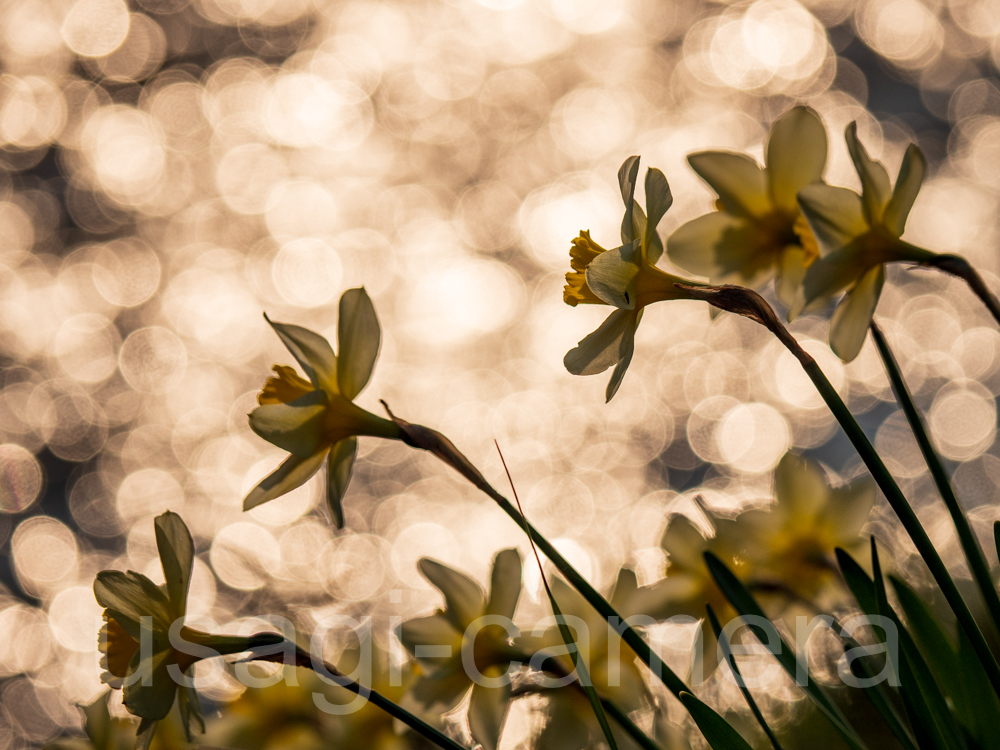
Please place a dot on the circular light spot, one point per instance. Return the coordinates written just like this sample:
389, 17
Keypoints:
74, 617
45, 554
356, 566
94, 508
243, 554
753, 437
148, 492
126, 272
28, 641
86, 347
963, 420
452, 303
20, 478
307, 272
94, 28
153, 359
792, 383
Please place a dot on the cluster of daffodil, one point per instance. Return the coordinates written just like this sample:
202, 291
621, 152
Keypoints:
778, 221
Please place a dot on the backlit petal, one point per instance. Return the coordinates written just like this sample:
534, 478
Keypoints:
487, 711
612, 275
358, 339
604, 347
313, 353
874, 178
796, 155
911, 177
737, 179
296, 427
692, 245
293, 473
835, 215
505, 583
464, 598
851, 320
176, 549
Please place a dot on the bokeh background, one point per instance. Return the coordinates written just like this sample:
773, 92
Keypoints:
169, 170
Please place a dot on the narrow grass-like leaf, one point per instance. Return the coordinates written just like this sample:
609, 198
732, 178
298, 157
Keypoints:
718, 732
928, 712
748, 303
727, 653
744, 603
966, 537
579, 661
957, 670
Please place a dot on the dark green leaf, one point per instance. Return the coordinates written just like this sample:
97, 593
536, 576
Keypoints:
727, 653
746, 605
718, 732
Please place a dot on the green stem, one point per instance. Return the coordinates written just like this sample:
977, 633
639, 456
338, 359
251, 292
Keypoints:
970, 544
427, 439
748, 303
727, 653
418, 725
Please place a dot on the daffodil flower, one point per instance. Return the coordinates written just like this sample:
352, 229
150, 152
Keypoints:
137, 647
317, 419
624, 277
757, 231
857, 236
443, 645
788, 546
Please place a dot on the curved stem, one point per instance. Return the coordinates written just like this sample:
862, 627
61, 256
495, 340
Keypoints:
418, 725
433, 441
958, 266
748, 303
970, 544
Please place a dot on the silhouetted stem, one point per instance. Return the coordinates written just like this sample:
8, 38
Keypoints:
433, 441
970, 544
748, 303
958, 266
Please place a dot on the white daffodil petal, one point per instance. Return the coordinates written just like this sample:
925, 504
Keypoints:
464, 598
132, 595
487, 711
433, 630
835, 215
911, 177
692, 246
339, 468
874, 178
791, 273
598, 351
293, 473
828, 276
849, 508
313, 353
799, 486
853, 316
737, 179
296, 427
176, 550
795, 155
628, 173
505, 583
625, 351
611, 276
358, 340
658, 200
